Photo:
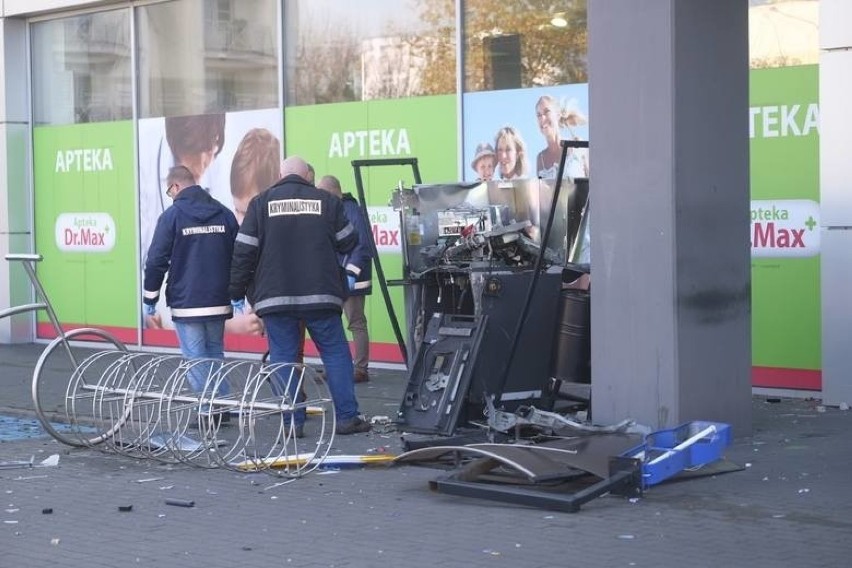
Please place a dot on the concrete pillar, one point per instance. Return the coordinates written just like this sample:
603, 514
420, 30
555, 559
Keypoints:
669, 186
835, 90
15, 196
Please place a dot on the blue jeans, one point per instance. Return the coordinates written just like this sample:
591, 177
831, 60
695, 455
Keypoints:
282, 330
202, 340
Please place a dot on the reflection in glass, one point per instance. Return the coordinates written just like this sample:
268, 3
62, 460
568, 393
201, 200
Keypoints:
205, 57
533, 43
783, 32
81, 69
370, 49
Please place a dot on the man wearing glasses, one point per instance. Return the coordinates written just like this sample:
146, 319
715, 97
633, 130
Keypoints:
193, 241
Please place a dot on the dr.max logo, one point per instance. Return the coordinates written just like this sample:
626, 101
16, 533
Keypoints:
85, 232
384, 222
784, 227
83, 160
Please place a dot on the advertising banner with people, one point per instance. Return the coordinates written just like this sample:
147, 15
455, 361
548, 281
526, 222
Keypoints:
234, 156
85, 226
331, 136
516, 134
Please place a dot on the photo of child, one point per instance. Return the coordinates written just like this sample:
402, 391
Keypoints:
484, 162
255, 167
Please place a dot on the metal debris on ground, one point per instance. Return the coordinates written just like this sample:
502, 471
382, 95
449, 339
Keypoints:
51, 461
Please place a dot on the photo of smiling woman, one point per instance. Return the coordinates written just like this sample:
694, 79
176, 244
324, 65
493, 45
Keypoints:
552, 117
511, 154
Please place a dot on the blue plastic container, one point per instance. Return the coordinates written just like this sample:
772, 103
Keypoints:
666, 453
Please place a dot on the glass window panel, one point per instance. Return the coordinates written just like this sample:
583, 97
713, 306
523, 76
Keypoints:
370, 49
783, 32
205, 57
526, 43
81, 69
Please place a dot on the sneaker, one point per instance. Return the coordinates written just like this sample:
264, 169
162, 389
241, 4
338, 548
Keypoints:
355, 425
361, 376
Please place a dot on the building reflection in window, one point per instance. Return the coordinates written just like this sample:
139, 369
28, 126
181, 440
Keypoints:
371, 49
81, 69
210, 56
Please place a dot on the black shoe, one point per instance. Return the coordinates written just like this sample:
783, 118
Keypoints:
299, 431
355, 425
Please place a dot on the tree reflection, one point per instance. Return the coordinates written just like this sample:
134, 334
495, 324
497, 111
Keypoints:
415, 53
548, 55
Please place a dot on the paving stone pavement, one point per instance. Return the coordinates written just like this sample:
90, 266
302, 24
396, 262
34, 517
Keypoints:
788, 507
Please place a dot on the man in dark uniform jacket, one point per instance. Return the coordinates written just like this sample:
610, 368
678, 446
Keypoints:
358, 265
194, 243
285, 261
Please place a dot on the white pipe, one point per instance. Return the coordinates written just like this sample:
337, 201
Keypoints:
685, 444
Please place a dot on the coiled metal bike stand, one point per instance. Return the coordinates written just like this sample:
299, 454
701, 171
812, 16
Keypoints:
242, 418
163, 407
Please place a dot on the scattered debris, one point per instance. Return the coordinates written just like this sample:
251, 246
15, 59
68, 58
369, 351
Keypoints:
125, 508
47, 511
51, 461
146, 480
180, 503
54, 541
843, 406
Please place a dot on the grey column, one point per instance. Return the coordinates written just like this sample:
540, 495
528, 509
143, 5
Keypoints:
15, 195
835, 117
671, 281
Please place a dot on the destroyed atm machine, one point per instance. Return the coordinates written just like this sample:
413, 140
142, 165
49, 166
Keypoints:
484, 297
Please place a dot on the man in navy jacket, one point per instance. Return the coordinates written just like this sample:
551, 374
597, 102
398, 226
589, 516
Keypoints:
285, 262
193, 242
358, 264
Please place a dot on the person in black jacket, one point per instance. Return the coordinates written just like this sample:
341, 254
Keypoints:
194, 243
285, 262
358, 264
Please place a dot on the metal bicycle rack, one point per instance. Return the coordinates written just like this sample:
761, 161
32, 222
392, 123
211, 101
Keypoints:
143, 405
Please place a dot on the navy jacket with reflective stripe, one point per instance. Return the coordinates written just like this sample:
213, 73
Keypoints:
194, 243
359, 261
286, 254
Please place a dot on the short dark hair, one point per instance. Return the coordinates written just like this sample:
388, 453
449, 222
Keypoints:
180, 175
